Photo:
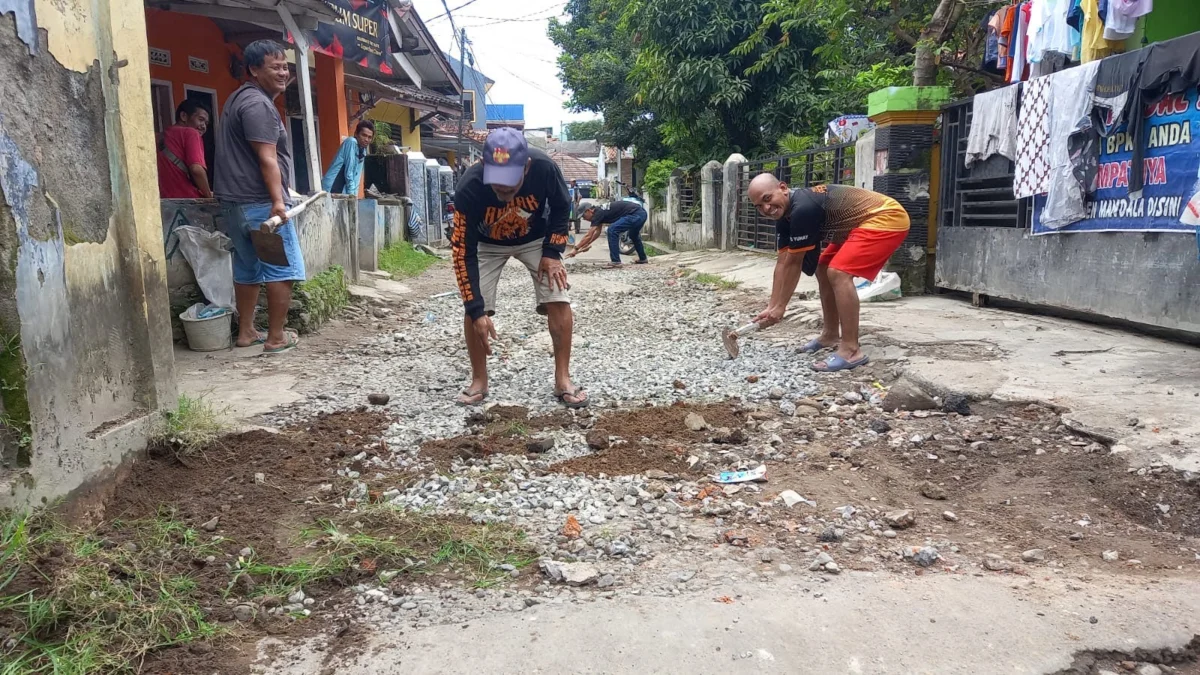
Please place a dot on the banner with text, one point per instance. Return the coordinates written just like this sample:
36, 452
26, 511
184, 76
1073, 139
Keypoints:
1172, 175
360, 34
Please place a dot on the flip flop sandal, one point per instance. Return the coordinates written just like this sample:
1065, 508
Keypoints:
562, 398
260, 340
469, 393
812, 347
641, 262
292, 343
836, 363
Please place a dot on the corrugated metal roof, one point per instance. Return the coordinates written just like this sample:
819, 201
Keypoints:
506, 112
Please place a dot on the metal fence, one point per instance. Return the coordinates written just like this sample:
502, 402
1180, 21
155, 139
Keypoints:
820, 166
981, 196
689, 197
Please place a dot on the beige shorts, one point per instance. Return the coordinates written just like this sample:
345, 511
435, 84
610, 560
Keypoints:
491, 263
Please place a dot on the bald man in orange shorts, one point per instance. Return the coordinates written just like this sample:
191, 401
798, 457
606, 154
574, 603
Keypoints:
861, 229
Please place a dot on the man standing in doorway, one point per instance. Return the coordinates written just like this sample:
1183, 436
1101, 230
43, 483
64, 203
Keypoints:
513, 205
182, 171
345, 173
253, 169
620, 216
863, 229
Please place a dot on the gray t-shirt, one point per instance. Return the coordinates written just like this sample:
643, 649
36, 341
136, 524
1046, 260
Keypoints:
249, 116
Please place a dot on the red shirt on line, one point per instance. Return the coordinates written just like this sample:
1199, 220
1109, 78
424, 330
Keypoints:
186, 144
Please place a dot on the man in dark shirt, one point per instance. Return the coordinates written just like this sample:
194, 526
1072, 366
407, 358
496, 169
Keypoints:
862, 230
513, 205
620, 216
253, 163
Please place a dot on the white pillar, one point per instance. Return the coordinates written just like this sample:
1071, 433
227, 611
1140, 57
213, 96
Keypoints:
729, 204
710, 211
304, 80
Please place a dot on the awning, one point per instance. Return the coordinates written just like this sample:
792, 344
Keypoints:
307, 13
418, 99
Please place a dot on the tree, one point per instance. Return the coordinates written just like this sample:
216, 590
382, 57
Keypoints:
667, 79
927, 36
597, 57
586, 130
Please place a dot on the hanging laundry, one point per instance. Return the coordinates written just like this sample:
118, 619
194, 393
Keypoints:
1007, 17
1115, 78
1048, 30
993, 125
991, 49
1020, 67
1052, 62
1069, 111
1032, 173
1094, 47
1170, 68
1075, 15
1122, 17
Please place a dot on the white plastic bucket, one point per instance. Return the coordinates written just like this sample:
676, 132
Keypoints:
208, 335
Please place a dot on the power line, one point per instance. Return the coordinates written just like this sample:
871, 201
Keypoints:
523, 18
445, 14
557, 5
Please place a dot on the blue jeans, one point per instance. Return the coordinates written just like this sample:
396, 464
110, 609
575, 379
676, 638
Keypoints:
248, 270
632, 224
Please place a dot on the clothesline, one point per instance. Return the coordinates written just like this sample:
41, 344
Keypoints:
1059, 130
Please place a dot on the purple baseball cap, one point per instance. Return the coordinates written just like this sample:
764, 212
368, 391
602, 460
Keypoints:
505, 154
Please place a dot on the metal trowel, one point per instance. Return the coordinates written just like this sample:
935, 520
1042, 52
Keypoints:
729, 337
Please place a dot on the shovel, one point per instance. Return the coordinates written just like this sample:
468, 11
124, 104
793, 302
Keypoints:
730, 337
268, 244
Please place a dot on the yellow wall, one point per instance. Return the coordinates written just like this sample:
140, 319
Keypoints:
401, 118
94, 314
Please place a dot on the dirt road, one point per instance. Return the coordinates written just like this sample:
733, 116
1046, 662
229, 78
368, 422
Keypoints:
963, 536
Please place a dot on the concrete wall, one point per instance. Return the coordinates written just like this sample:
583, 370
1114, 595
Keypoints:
83, 302
666, 224
1152, 279
328, 231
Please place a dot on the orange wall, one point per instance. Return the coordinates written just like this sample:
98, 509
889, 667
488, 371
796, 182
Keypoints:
187, 35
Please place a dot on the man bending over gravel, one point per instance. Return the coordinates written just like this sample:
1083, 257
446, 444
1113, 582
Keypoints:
863, 229
513, 205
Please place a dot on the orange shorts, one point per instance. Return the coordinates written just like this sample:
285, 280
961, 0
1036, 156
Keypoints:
865, 251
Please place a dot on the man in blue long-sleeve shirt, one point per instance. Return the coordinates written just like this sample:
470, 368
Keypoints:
345, 173
513, 204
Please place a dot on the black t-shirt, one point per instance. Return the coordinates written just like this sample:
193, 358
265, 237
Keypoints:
607, 215
828, 213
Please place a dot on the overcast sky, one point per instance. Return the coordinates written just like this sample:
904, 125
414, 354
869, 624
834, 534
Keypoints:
511, 47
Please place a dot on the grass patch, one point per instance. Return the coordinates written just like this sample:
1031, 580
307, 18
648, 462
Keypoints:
74, 603
320, 298
517, 428
383, 539
192, 426
716, 280
401, 260
652, 251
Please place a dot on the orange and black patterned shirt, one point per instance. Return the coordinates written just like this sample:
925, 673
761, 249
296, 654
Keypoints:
828, 213
540, 211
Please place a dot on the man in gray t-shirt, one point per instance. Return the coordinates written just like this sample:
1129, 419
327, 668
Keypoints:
253, 163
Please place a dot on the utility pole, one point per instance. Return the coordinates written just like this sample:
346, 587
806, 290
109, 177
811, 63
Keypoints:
462, 78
